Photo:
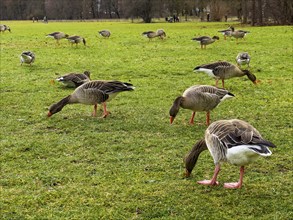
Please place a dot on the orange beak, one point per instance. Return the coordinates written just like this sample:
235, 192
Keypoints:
49, 114
171, 119
256, 82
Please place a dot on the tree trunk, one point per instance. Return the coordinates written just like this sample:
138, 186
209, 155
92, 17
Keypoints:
253, 13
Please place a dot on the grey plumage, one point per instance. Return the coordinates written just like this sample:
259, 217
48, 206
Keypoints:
199, 98
243, 59
226, 33
76, 40
58, 36
75, 79
238, 33
152, 34
27, 57
4, 27
224, 70
93, 93
105, 33
205, 40
234, 141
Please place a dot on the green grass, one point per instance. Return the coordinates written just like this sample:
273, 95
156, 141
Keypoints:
74, 166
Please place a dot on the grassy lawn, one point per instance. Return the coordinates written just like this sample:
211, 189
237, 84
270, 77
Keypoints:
130, 165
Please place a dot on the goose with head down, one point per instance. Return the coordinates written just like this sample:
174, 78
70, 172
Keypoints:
105, 33
243, 59
27, 57
93, 93
76, 40
233, 141
199, 98
4, 27
224, 70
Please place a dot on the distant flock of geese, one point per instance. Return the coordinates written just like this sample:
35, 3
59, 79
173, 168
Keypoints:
234, 141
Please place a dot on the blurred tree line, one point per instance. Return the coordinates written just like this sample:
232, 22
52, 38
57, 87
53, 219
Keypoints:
255, 12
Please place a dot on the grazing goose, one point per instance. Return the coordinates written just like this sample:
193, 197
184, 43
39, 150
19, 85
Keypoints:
27, 57
199, 98
242, 59
233, 141
161, 33
150, 34
226, 33
205, 40
76, 40
238, 33
75, 79
93, 93
4, 27
105, 33
224, 70
57, 36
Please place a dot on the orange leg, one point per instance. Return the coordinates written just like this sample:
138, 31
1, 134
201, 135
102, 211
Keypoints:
208, 119
217, 80
106, 113
95, 110
213, 181
191, 121
223, 84
239, 183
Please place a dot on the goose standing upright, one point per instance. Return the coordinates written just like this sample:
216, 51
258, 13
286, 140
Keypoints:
233, 141
76, 40
242, 59
205, 40
75, 79
238, 33
58, 36
224, 70
105, 33
93, 93
199, 98
226, 33
27, 57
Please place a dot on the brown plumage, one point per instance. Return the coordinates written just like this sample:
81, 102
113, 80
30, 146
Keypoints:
93, 93
75, 79
233, 141
205, 40
199, 98
238, 33
105, 33
76, 40
224, 70
58, 36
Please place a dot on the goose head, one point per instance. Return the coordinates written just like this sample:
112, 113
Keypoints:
216, 38
250, 76
175, 108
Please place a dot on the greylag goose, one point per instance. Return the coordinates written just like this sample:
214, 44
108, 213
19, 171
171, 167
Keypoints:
226, 33
238, 33
105, 33
75, 79
4, 27
161, 33
242, 59
27, 57
199, 98
57, 36
224, 70
93, 93
76, 40
150, 34
233, 141
205, 40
